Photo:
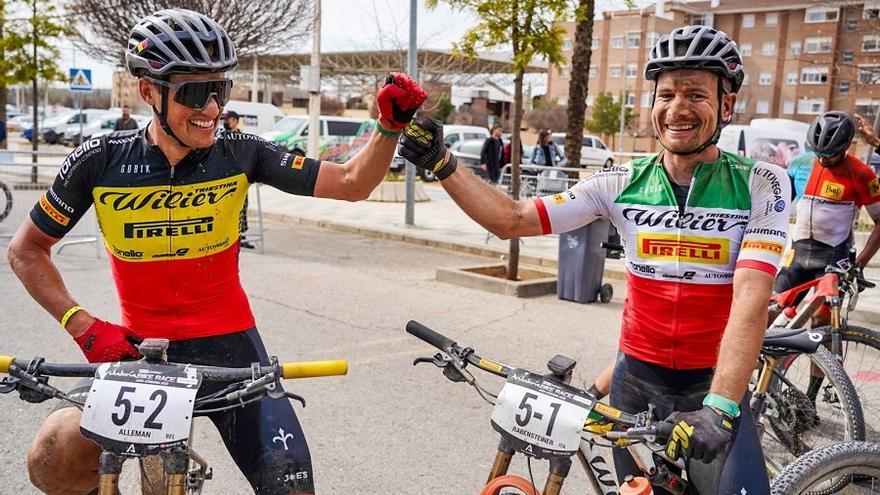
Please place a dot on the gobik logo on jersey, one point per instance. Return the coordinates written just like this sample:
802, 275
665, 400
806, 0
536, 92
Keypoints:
690, 249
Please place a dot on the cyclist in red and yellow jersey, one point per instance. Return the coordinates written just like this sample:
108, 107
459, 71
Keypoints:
168, 199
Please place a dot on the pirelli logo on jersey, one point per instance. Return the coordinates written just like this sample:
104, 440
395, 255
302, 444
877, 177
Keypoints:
874, 188
688, 249
769, 246
53, 212
831, 190
185, 221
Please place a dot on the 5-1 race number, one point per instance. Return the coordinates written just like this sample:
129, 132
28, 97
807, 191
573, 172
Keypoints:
544, 418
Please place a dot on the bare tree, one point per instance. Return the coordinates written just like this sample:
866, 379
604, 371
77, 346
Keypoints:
102, 26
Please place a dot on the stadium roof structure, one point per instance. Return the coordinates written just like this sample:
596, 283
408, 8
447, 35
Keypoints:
374, 64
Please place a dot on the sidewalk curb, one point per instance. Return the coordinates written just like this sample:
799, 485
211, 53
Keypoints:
869, 317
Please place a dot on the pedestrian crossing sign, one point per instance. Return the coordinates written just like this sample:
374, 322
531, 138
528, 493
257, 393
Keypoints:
80, 79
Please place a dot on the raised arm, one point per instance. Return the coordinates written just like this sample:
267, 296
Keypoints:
422, 144
353, 180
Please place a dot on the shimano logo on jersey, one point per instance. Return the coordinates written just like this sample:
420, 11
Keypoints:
130, 168
670, 219
771, 232
60, 202
165, 199
82, 151
168, 228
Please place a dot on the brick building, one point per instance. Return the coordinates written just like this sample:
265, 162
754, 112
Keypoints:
801, 58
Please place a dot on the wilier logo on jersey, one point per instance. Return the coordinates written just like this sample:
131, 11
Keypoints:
690, 249
831, 190
772, 247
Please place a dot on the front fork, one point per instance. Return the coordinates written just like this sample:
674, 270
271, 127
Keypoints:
559, 468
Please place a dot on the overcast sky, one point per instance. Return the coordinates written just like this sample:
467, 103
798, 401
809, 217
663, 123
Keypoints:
352, 25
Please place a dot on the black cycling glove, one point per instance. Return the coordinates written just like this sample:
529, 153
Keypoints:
701, 434
422, 145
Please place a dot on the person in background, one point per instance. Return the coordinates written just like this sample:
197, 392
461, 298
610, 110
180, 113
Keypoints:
546, 152
125, 123
2, 134
231, 121
492, 154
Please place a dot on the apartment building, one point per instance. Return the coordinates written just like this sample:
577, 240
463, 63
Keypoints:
801, 58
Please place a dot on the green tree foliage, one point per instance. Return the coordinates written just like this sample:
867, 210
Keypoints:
606, 115
528, 29
444, 108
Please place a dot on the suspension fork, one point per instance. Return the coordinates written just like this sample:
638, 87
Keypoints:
176, 463
108, 473
502, 460
559, 469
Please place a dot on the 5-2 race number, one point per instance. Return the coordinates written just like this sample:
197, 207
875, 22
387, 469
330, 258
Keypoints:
120, 419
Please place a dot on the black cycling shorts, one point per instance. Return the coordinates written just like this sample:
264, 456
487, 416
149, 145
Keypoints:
808, 263
741, 469
264, 438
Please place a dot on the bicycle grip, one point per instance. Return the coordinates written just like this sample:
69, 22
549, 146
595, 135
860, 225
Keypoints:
5, 363
664, 431
313, 369
441, 342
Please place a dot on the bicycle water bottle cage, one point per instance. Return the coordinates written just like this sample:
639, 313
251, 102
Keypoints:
154, 350
561, 367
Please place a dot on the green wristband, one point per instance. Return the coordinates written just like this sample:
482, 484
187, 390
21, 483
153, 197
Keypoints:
723, 404
386, 132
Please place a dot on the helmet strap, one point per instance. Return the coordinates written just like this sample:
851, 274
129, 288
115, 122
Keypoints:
163, 121
712, 140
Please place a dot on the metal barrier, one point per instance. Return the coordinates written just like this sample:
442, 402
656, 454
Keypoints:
540, 180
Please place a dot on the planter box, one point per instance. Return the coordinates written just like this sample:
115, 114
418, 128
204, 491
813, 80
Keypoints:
492, 278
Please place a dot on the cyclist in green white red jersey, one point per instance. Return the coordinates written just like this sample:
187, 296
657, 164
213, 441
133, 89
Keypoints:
703, 232
168, 199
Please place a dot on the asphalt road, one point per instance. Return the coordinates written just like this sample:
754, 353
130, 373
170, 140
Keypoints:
387, 427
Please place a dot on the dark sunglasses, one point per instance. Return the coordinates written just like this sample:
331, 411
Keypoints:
197, 94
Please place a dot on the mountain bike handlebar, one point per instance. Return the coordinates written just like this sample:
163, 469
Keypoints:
291, 370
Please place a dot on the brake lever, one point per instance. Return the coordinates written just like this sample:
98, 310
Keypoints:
437, 360
299, 398
8, 384
451, 369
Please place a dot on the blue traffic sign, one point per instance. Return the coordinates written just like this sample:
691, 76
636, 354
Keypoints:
80, 79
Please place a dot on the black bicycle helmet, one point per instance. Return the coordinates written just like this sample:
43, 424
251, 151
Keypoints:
178, 41
697, 47
831, 133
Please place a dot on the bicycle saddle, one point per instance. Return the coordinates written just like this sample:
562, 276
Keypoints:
800, 340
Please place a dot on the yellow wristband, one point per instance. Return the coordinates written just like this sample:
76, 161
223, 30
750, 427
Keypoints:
70, 312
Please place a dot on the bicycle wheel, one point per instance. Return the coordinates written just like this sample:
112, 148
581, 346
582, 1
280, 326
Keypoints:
860, 348
802, 418
819, 471
5, 201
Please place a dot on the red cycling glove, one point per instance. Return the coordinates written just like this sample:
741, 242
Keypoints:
398, 101
105, 342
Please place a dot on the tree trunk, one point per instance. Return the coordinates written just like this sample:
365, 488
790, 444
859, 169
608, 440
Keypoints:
580, 78
515, 160
35, 136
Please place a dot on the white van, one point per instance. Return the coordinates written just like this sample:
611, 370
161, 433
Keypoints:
255, 118
454, 133
763, 143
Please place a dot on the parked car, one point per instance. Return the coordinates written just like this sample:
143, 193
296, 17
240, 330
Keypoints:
19, 122
293, 132
257, 118
67, 123
102, 125
593, 150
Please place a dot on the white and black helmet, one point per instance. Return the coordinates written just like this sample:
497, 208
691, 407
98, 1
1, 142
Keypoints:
697, 47
174, 41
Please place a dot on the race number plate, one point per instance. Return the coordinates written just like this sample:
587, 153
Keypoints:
542, 418
136, 408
